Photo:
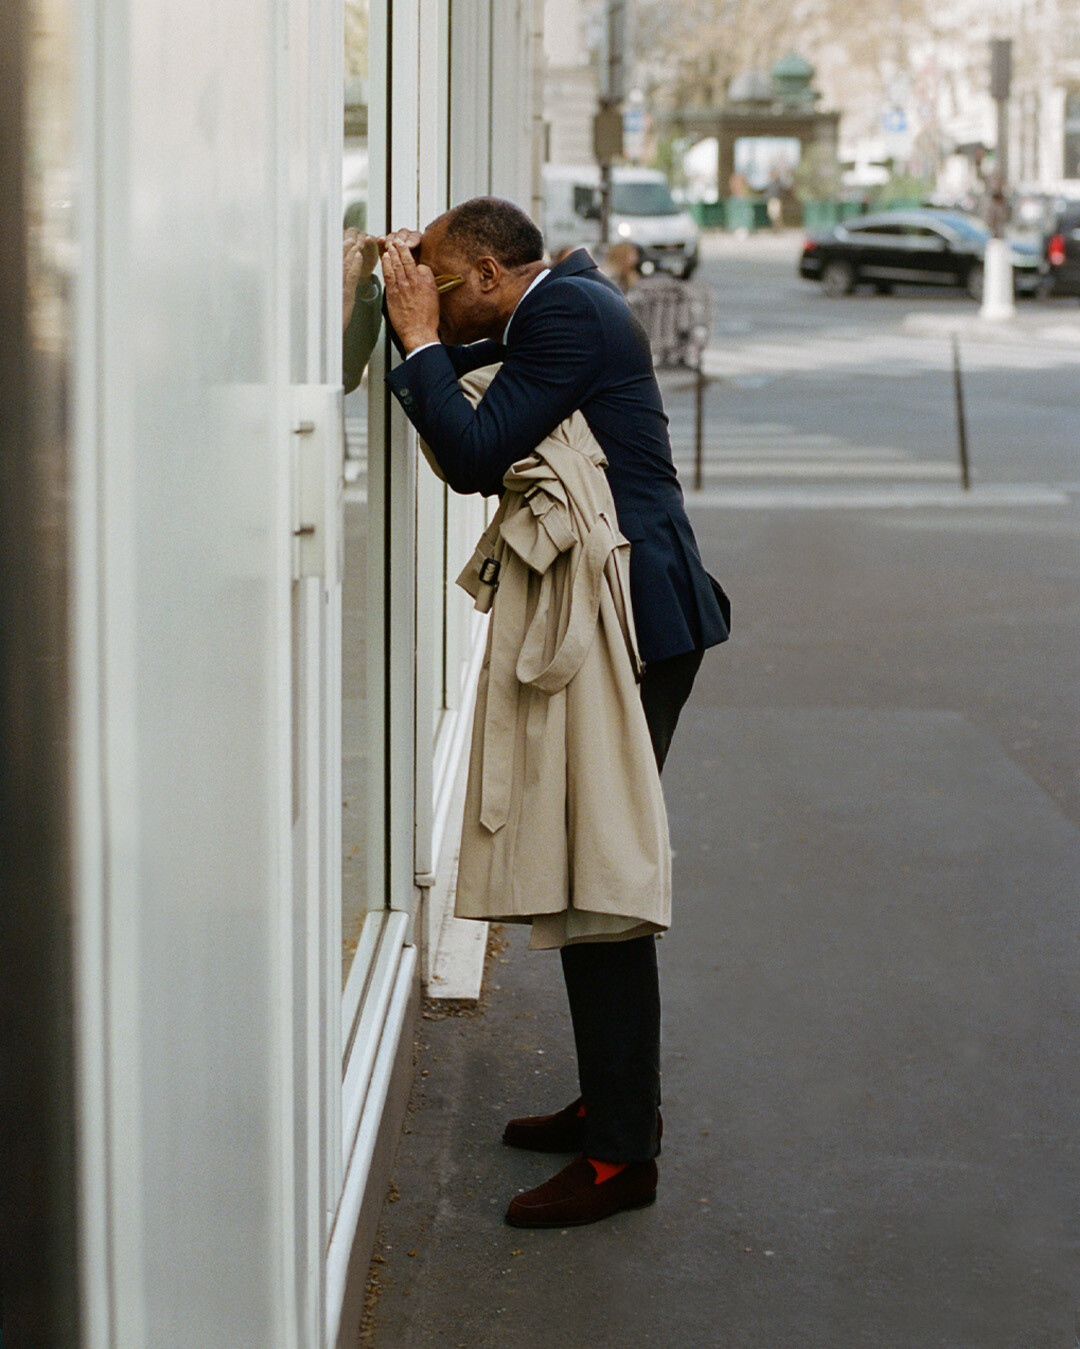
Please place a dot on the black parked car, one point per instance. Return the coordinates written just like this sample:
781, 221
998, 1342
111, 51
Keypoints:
920, 248
1062, 251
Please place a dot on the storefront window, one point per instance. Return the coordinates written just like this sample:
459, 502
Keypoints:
37, 277
363, 817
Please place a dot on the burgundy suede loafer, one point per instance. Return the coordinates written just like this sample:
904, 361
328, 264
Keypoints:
562, 1132
575, 1197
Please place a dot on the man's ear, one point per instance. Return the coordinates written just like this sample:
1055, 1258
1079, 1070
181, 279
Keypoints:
490, 272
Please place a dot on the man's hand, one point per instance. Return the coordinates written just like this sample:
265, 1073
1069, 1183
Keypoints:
412, 302
360, 253
409, 239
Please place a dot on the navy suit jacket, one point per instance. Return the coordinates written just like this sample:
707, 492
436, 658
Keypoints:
574, 343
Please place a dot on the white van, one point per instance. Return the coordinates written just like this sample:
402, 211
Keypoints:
643, 212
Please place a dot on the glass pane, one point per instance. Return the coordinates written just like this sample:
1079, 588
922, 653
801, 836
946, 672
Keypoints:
444, 581
186, 235
38, 273
362, 823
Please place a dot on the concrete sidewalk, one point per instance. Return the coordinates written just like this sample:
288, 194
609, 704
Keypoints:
871, 1062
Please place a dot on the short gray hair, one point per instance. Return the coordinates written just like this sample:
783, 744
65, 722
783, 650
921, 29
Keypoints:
499, 228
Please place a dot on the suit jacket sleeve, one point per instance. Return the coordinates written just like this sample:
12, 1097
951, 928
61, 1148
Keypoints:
546, 371
463, 359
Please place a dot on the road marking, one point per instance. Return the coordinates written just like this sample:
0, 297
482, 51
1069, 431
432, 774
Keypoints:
989, 495
837, 454
893, 355
770, 466
770, 450
782, 467
734, 440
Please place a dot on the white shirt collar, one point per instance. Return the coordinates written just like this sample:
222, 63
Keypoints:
532, 285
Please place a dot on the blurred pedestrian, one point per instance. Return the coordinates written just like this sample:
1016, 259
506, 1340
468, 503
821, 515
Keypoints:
774, 205
623, 264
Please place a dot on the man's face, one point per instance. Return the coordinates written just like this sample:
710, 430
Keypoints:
468, 312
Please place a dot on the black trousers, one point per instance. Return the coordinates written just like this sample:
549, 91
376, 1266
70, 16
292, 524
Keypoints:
614, 989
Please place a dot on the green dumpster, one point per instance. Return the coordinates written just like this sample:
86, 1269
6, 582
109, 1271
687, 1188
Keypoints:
820, 215
708, 214
745, 213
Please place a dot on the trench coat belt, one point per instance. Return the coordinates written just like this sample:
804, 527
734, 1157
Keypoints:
582, 612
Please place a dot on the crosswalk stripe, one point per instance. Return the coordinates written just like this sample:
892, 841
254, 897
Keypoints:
837, 453
892, 355
770, 451
771, 466
825, 468
990, 495
731, 438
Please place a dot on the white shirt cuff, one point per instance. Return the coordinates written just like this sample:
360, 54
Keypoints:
423, 348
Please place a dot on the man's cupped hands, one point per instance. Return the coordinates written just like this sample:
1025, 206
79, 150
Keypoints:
412, 301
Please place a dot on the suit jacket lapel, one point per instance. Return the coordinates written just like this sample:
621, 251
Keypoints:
578, 263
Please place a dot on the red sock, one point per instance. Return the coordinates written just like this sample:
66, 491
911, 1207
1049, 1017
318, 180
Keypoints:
605, 1170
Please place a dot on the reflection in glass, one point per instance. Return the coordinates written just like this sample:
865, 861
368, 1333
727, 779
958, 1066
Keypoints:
37, 274
359, 736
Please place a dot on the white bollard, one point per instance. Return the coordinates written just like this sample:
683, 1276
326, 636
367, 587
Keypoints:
997, 300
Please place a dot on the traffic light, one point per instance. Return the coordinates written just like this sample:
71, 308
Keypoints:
1000, 68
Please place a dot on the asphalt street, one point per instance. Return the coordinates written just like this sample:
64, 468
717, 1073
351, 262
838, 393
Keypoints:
871, 1062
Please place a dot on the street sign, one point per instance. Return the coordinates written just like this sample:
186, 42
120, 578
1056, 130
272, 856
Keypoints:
1000, 68
633, 131
608, 135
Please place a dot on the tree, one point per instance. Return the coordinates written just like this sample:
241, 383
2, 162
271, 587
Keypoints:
690, 54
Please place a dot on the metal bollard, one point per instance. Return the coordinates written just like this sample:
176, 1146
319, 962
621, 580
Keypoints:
961, 422
701, 338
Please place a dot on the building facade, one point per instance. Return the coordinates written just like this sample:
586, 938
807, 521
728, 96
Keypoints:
236, 674
571, 83
925, 101
1044, 130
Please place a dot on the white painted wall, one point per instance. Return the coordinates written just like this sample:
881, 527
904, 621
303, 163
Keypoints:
190, 335
229, 1108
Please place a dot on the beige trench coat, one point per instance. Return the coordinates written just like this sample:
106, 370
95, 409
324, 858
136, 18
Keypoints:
565, 825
